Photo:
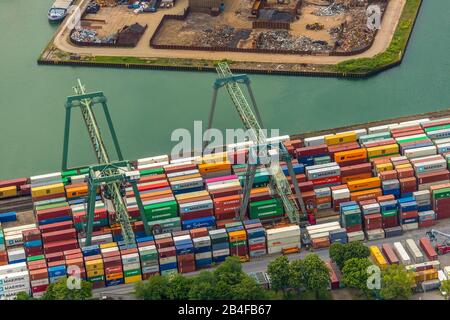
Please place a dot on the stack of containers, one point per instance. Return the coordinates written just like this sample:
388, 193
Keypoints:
13, 235
149, 260
196, 209
350, 213
427, 219
307, 155
56, 269
323, 198
184, 178
356, 172
59, 240
373, 223
131, 263
225, 191
167, 253
284, 238
47, 186
39, 281
14, 278
339, 194
202, 247
32, 242
270, 209
79, 212
14, 187
365, 189
256, 236
423, 199
112, 264
214, 165
440, 197
220, 245
389, 213
3, 254
409, 216
324, 175
237, 240
57, 212
75, 263
185, 253
93, 261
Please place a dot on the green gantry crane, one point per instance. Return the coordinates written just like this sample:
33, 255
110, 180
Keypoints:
110, 176
251, 120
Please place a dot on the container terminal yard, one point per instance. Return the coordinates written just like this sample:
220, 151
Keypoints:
121, 222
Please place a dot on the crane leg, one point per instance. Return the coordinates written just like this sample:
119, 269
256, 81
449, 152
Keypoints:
211, 116
113, 132
141, 208
90, 214
296, 188
255, 106
66, 138
250, 176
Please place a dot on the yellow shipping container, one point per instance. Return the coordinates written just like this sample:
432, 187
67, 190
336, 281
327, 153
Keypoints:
94, 264
341, 138
237, 235
108, 245
425, 275
364, 184
114, 276
382, 150
47, 190
95, 273
378, 257
366, 194
8, 192
133, 279
384, 167
214, 157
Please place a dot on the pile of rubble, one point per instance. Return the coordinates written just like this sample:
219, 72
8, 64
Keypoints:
282, 40
90, 36
355, 34
332, 10
218, 36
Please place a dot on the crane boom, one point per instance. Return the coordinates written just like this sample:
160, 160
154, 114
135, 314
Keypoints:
280, 182
110, 171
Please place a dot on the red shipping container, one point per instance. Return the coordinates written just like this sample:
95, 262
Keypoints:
178, 168
60, 246
13, 182
378, 143
427, 223
53, 213
98, 215
312, 150
225, 215
56, 263
306, 186
167, 252
435, 123
38, 274
224, 192
390, 222
356, 169
38, 289
354, 228
196, 214
67, 234
336, 203
326, 180
372, 221
389, 254
257, 246
54, 256
407, 133
164, 243
198, 233
435, 176
405, 172
56, 226
388, 175
428, 248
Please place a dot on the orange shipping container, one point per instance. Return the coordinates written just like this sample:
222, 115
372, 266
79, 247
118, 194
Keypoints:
356, 177
366, 194
364, 184
351, 155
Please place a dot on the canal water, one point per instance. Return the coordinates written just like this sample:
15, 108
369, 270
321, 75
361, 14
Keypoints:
146, 106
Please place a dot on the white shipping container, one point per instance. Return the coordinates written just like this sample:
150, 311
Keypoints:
278, 249
414, 251
131, 266
380, 129
281, 242
222, 252
359, 132
323, 172
420, 152
16, 254
13, 268
167, 260
156, 159
410, 226
283, 232
49, 177
430, 166
6, 279
152, 165
40, 282
315, 141
356, 236
341, 194
203, 255
309, 229
401, 253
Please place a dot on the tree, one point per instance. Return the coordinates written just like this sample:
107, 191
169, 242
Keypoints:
155, 288
23, 296
203, 287
278, 271
61, 291
340, 253
179, 287
297, 275
396, 283
316, 276
445, 287
355, 274
248, 289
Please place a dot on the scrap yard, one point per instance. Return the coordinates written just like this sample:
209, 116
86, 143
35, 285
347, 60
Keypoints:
293, 34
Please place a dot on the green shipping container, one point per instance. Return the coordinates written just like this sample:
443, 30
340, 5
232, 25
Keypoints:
51, 206
69, 173
131, 273
79, 226
389, 213
447, 126
241, 243
441, 193
423, 137
84, 171
96, 278
164, 210
36, 258
151, 172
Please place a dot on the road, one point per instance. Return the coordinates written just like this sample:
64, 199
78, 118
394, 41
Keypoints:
260, 264
143, 50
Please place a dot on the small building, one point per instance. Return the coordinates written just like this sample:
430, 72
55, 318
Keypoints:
129, 36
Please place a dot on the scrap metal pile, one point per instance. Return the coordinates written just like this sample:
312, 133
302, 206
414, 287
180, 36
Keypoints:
217, 36
90, 36
282, 40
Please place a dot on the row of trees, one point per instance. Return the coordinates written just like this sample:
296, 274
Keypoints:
61, 291
227, 281
308, 278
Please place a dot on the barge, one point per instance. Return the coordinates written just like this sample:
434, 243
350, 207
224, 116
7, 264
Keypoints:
59, 10
364, 182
